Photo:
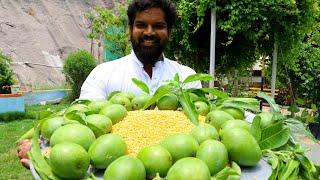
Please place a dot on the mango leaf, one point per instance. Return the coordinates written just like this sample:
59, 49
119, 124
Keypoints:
143, 86
276, 165
81, 101
224, 174
112, 94
255, 128
75, 116
38, 161
236, 167
294, 108
161, 91
188, 107
176, 78
297, 127
198, 77
278, 117
241, 105
270, 100
78, 107
289, 168
252, 101
271, 129
96, 130
44, 114
26, 135
275, 140
314, 107
215, 92
172, 83
306, 163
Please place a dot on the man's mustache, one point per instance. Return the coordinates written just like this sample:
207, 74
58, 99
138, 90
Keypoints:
153, 38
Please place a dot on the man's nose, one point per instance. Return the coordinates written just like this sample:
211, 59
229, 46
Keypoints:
149, 30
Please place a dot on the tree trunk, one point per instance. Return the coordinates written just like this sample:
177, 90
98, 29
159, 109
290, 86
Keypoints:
274, 66
212, 46
235, 83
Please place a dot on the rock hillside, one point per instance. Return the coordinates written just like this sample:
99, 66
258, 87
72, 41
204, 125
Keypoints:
38, 34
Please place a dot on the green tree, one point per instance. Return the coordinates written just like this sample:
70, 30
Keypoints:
246, 30
6, 74
302, 76
77, 67
104, 22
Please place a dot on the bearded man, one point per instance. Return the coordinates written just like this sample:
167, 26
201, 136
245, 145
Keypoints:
150, 23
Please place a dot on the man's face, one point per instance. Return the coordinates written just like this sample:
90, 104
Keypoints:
149, 35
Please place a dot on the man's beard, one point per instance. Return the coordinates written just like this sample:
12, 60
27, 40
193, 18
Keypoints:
148, 54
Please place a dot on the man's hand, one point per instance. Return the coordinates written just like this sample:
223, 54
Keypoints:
23, 148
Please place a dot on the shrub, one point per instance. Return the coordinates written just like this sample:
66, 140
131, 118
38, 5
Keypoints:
6, 74
77, 67
12, 116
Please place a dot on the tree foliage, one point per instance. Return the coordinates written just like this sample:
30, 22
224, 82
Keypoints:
110, 25
245, 30
77, 67
301, 76
6, 74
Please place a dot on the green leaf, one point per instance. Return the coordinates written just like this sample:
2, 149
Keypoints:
300, 101
306, 163
27, 135
112, 94
188, 107
215, 92
97, 131
44, 114
278, 117
275, 140
173, 83
76, 116
38, 161
236, 167
198, 77
255, 128
288, 169
143, 86
252, 101
270, 100
276, 165
176, 78
272, 129
294, 108
224, 174
81, 101
241, 104
297, 127
161, 91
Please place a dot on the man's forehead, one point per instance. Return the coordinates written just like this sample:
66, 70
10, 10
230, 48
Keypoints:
153, 14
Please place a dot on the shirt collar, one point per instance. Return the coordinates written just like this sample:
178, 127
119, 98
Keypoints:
139, 63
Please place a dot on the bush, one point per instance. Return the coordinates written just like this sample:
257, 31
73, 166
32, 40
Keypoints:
77, 67
6, 74
12, 116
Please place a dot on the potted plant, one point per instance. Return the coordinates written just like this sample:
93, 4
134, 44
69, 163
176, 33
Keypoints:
9, 102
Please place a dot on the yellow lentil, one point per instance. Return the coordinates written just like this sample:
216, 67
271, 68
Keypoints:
143, 128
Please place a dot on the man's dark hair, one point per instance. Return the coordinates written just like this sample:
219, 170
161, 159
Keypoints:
167, 6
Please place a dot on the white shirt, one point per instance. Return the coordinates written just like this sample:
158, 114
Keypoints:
117, 76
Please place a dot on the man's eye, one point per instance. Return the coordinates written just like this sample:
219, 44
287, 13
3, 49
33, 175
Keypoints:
159, 26
140, 25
